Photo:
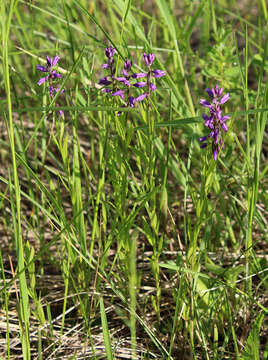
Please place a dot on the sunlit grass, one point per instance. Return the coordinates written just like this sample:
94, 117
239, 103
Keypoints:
121, 237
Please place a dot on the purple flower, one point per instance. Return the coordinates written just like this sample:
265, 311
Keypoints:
127, 65
108, 80
119, 93
55, 90
110, 51
152, 86
105, 81
140, 84
50, 63
122, 85
224, 99
205, 103
52, 74
141, 97
123, 80
139, 75
215, 121
131, 101
158, 73
148, 59
51, 89
42, 80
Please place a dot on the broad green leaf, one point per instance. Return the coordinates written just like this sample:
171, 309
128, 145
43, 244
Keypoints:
251, 349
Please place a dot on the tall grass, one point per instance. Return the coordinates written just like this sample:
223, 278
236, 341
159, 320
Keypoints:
120, 236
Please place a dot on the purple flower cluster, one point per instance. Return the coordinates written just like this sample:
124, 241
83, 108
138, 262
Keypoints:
107, 80
148, 59
51, 76
122, 85
215, 121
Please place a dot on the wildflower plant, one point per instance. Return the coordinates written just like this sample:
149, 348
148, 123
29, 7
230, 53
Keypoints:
123, 85
109, 66
51, 76
215, 121
125, 80
126, 88
148, 59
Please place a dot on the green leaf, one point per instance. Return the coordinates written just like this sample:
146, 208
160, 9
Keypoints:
165, 12
231, 73
251, 349
120, 8
105, 331
173, 266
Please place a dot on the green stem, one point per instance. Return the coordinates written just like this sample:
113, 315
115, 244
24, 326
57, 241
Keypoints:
24, 299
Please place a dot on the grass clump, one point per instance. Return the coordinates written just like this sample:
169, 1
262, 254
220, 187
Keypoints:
121, 236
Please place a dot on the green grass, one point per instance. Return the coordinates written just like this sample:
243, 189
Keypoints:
120, 237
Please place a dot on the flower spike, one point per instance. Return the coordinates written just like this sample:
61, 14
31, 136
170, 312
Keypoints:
215, 121
51, 76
